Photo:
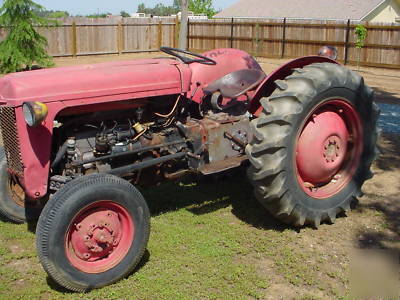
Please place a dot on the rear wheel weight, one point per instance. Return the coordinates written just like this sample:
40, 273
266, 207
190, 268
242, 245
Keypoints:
321, 112
93, 232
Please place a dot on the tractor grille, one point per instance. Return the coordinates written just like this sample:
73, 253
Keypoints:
9, 132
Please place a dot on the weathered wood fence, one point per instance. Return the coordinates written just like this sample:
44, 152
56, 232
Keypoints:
84, 36
284, 38
287, 38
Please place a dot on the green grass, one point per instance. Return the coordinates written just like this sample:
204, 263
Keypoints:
208, 240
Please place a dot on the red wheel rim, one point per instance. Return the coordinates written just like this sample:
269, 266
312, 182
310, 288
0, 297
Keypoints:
99, 237
329, 148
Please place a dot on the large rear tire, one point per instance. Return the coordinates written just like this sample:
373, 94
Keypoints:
313, 145
93, 232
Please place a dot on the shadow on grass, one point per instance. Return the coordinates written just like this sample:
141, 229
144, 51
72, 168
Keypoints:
56, 287
388, 206
390, 209
208, 194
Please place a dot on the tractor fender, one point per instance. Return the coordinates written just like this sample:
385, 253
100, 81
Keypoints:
267, 86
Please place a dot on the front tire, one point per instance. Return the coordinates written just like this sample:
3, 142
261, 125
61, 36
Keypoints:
314, 143
93, 232
13, 205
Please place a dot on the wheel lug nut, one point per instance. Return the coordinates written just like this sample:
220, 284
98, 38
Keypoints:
87, 237
86, 256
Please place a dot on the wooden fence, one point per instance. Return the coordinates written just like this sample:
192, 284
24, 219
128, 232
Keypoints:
84, 36
284, 38
288, 38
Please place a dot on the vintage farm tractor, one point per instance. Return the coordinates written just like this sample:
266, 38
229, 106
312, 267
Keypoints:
77, 140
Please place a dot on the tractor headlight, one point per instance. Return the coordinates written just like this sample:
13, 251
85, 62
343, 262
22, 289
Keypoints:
34, 113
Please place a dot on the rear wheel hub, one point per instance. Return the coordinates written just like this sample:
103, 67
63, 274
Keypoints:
328, 148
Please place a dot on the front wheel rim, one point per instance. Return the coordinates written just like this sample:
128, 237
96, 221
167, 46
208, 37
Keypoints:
329, 148
16, 192
99, 237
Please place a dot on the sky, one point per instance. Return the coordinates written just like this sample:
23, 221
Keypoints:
84, 7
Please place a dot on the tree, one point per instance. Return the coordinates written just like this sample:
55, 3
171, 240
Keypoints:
57, 14
23, 46
361, 35
158, 10
202, 7
141, 8
124, 14
196, 6
177, 5
99, 15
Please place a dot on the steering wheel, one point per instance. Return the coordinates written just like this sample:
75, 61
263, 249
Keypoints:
200, 58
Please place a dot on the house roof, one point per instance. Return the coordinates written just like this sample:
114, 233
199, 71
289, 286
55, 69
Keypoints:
301, 9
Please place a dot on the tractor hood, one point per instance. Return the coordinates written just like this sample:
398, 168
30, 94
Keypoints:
115, 80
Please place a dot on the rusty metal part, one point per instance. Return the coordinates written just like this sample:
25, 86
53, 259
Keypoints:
216, 138
135, 151
17, 192
145, 164
222, 165
176, 175
235, 139
12, 149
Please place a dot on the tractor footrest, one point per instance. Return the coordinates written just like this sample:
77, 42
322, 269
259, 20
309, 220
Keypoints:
222, 165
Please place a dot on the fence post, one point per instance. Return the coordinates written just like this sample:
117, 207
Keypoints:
232, 32
283, 38
160, 39
188, 34
176, 39
119, 38
257, 39
346, 45
74, 42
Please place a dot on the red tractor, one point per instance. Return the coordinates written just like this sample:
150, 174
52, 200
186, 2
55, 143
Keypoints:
77, 140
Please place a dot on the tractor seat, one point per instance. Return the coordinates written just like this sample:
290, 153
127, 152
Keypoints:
237, 83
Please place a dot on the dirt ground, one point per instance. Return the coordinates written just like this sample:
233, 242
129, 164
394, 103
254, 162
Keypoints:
286, 263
